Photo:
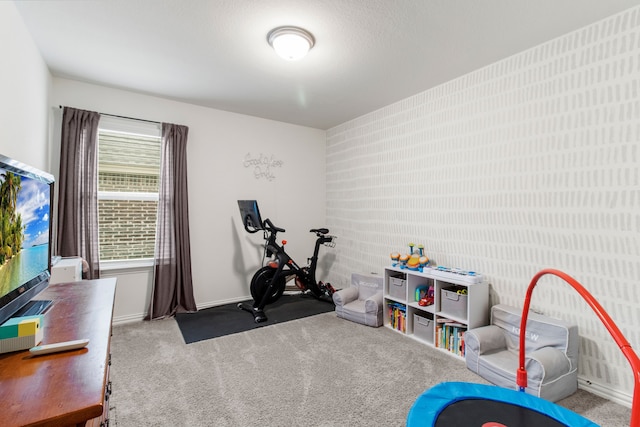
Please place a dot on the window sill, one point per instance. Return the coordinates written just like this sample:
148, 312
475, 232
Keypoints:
126, 264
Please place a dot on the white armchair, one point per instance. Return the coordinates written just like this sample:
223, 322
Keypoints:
362, 301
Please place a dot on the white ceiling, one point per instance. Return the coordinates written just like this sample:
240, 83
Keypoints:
368, 53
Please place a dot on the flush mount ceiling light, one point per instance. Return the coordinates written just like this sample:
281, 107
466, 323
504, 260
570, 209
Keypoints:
291, 43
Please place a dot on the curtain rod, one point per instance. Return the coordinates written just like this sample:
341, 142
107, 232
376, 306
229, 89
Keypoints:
125, 117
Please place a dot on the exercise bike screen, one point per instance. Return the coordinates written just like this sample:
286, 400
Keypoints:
250, 215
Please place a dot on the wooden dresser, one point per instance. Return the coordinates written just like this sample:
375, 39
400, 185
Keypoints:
70, 388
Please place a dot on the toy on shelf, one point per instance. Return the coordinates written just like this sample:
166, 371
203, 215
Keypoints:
403, 260
415, 260
395, 259
457, 274
424, 295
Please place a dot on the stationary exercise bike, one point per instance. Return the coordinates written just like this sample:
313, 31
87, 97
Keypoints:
269, 282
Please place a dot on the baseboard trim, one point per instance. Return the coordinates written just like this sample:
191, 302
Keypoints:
221, 302
129, 318
605, 392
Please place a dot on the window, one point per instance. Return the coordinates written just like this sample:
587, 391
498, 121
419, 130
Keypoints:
128, 180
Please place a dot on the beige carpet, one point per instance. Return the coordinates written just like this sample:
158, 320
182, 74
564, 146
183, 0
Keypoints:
316, 371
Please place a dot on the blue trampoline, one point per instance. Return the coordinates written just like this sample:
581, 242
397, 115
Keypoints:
453, 404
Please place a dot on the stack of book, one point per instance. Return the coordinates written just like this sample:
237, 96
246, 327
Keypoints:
397, 316
450, 336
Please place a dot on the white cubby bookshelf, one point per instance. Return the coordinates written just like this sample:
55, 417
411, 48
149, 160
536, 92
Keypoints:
449, 307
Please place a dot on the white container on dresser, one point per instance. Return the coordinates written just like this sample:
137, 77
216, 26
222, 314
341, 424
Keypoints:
66, 270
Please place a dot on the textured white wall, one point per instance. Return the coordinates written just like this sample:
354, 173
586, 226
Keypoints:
532, 162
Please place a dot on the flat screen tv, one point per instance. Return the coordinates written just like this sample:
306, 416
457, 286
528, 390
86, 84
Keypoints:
26, 202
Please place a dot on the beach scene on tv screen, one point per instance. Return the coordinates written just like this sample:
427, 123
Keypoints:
24, 229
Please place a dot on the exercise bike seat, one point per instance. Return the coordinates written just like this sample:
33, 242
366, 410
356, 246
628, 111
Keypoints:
319, 230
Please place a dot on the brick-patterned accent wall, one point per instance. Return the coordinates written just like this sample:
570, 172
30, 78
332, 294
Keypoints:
532, 162
127, 227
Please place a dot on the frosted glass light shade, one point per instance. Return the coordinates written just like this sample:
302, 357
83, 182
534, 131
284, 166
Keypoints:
290, 43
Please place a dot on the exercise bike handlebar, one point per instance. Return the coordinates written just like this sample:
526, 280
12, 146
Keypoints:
273, 228
268, 225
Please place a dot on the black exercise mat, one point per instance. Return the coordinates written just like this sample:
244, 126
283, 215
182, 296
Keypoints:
229, 319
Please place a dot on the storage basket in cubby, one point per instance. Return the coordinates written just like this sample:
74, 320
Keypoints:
398, 288
423, 328
453, 303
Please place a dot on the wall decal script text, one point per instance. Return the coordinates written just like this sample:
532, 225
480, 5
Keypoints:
262, 165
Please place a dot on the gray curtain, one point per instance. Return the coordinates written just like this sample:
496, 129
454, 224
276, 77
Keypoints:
173, 289
78, 189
